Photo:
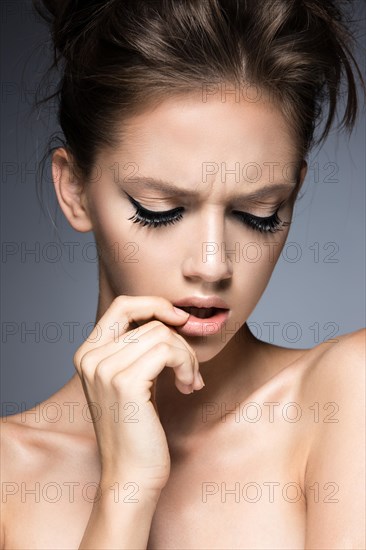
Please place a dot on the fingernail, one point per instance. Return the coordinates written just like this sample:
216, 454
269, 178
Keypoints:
180, 312
200, 381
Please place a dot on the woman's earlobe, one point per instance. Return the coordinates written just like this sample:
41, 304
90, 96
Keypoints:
69, 191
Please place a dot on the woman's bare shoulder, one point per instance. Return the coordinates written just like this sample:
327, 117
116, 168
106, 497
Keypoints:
30, 446
25, 447
33, 453
16, 460
28, 439
22, 434
316, 372
16, 439
335, 368
333, 386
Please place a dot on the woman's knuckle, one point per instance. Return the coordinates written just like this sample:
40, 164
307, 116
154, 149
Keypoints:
120, 299
192, 357
185, 377
76, 359
79, 354
119, 382
101, 371
119, 302
154, 324
162, 348
163, 302
163, 331
87, 363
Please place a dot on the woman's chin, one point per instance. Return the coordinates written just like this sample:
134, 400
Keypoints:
205, 349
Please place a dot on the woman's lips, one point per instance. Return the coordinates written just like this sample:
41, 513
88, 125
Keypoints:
196, 326
201, 301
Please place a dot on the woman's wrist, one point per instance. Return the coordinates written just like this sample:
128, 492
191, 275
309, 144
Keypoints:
127, 489
119, 523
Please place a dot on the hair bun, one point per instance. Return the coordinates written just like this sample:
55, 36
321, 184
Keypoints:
123, 55
68, 20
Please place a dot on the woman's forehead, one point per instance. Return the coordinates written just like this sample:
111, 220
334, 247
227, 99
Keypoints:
189, 130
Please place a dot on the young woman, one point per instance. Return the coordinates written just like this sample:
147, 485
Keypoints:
181, 429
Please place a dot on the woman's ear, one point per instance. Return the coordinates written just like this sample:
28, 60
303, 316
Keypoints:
70, 191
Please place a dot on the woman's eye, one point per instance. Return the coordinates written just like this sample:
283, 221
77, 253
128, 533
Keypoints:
268, 224
154, 219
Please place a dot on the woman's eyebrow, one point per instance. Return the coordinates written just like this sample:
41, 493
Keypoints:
172, 190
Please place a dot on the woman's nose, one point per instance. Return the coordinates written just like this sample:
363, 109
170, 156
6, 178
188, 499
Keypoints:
208, 255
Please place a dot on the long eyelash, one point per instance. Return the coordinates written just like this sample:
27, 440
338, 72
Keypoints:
269, 224
155, 219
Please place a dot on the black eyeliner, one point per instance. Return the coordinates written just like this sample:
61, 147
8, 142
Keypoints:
145, 217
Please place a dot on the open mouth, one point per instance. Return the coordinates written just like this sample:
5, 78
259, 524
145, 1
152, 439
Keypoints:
203, 321
202, 312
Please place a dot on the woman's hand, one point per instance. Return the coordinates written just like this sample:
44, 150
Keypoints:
118, 369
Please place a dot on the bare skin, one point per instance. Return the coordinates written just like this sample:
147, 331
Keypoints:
210, 458
306, 488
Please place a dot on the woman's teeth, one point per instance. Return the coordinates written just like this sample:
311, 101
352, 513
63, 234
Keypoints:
201, 312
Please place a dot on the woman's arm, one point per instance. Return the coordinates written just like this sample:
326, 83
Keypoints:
117, 522
136, 455
335, 474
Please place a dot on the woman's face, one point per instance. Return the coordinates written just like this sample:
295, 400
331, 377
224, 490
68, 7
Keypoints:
215, 156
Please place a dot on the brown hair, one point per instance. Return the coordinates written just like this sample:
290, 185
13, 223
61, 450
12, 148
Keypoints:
118, 56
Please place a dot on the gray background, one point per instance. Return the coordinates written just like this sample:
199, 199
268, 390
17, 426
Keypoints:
316, 291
